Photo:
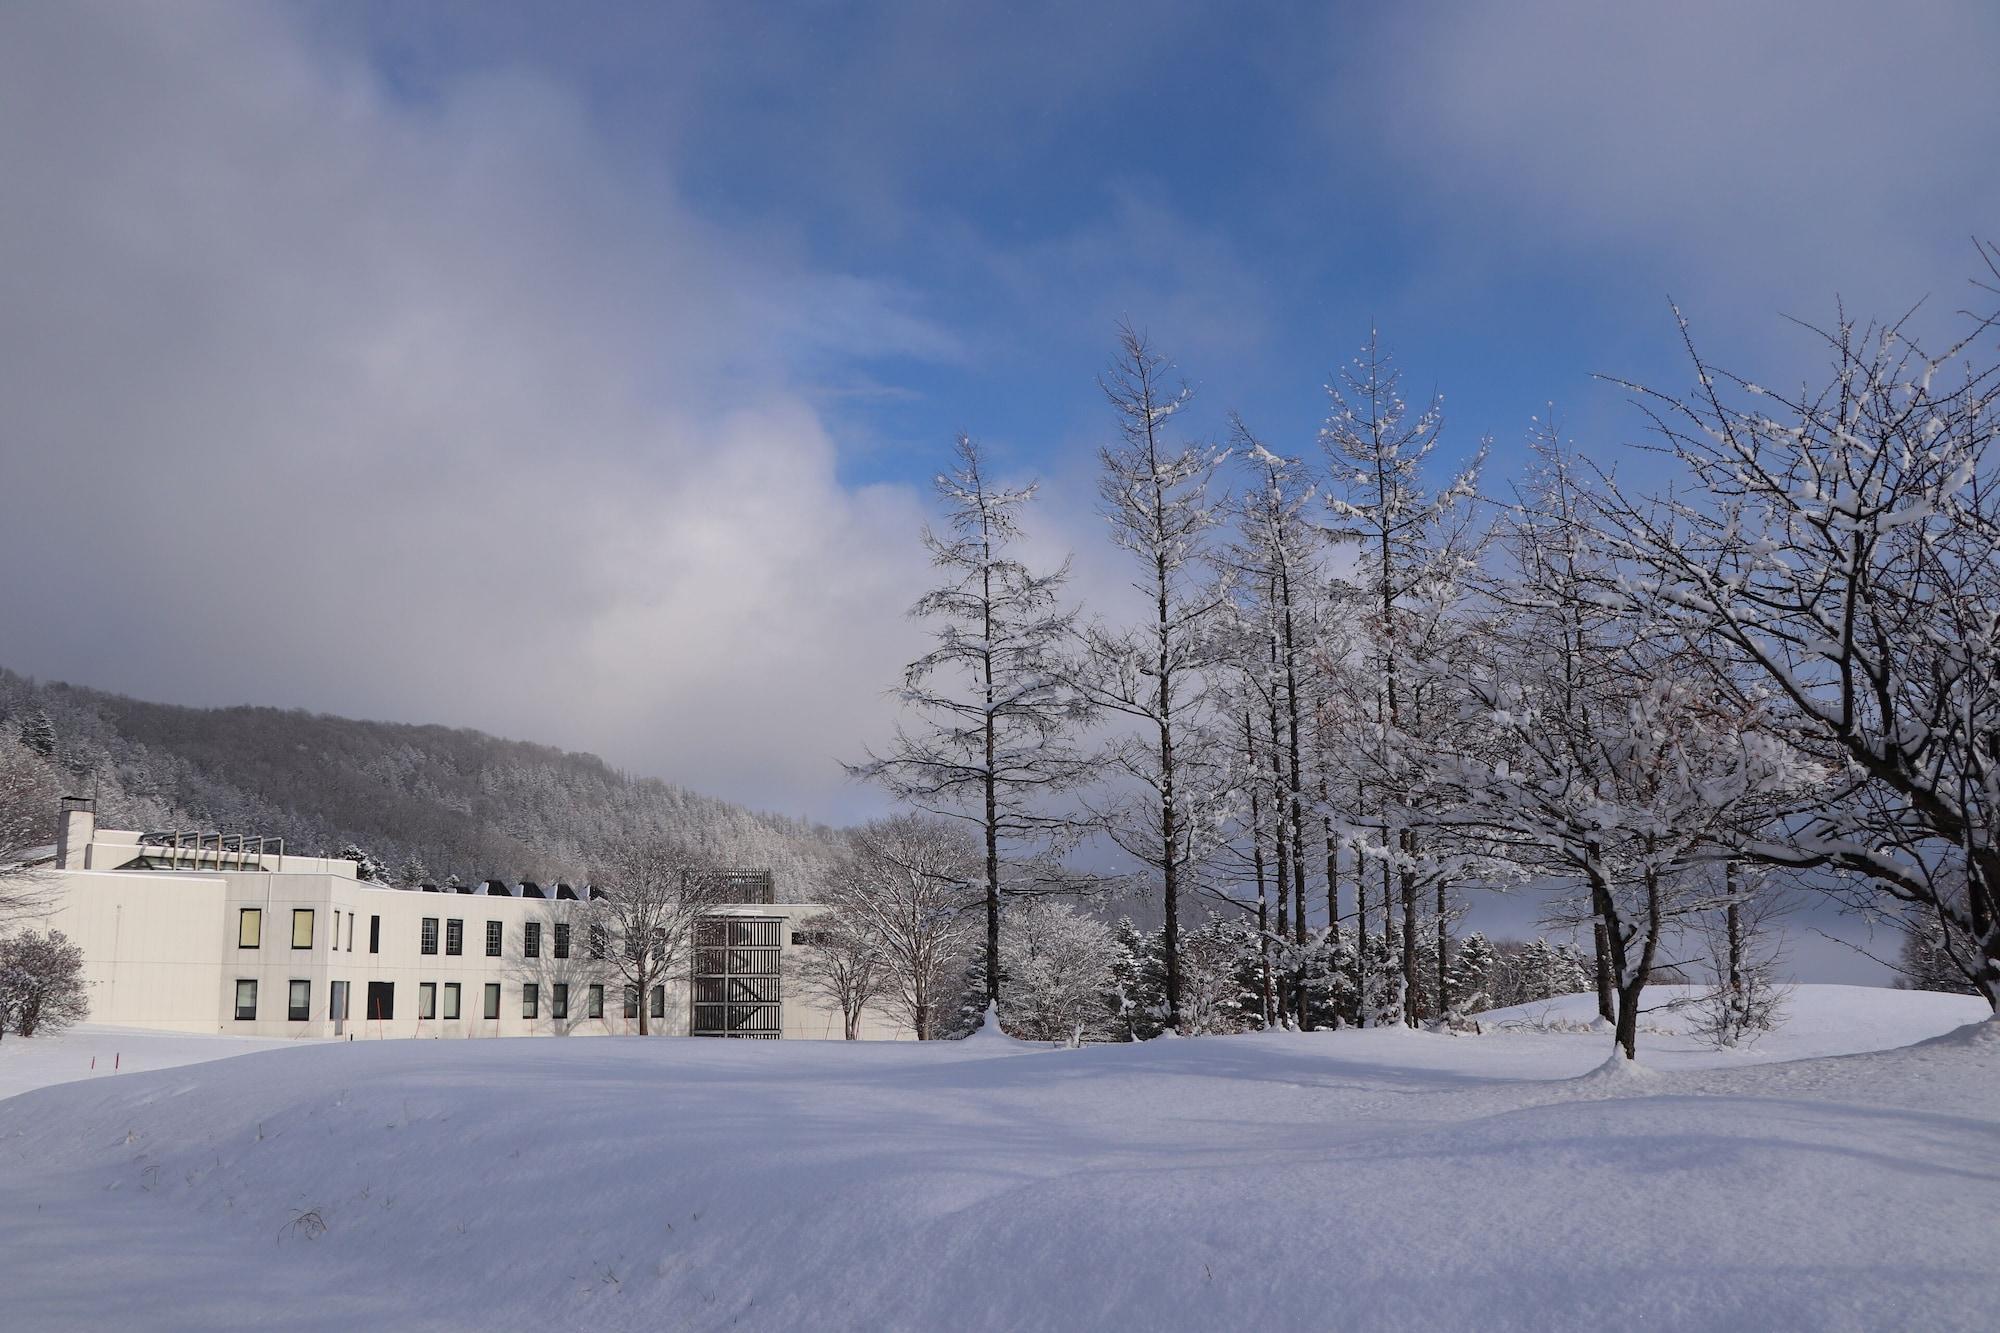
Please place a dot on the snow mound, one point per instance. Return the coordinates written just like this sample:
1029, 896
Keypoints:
990, 1036
1619, 1072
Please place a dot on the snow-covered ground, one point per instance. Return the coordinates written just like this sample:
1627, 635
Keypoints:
93, 1052
1375, 1180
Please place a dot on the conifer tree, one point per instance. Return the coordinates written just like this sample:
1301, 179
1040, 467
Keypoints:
997, 716
1156, 495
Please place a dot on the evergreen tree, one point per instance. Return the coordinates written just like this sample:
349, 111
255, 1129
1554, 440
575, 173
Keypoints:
1468, 976
38, 733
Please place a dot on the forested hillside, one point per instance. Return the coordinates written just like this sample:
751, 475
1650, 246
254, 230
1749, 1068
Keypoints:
442, 800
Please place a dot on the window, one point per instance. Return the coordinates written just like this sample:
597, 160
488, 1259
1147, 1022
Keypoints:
302, 927
336, 1008
631, 1002
246, 1001
430, 937
492, 939
593, 1005
450, 1000
559, 1000
813, 938
427, 999
493, 1000
350, 932
562, 939
454, 937
531, 940
298, 1007
659, 1005
374, 934
599, 939
250, 928
531, 1001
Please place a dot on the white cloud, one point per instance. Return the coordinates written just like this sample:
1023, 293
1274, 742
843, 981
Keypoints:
1751, 157
433, 411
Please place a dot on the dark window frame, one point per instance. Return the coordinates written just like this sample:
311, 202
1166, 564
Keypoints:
454, 937
244, 918
241, 1016
374, 934
297, 1009
451, 1009
427, 1001
593, 1000
491, 1006
562, 939
531, 940
492, 939
559, 1001
427, 937
312, 926
531, 1000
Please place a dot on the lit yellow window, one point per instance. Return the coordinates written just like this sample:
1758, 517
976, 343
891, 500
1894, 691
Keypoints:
302, 928
250, 928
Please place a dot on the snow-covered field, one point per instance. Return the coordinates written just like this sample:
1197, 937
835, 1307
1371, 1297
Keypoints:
1371, 1180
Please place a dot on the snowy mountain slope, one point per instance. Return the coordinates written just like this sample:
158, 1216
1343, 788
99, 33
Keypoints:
457, 801
1357, 1180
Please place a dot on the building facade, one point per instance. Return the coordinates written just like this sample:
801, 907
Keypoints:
206, 933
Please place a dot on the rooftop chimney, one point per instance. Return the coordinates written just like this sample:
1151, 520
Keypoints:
75, 832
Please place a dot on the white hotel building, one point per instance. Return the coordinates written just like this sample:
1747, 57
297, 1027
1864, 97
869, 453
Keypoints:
212, 933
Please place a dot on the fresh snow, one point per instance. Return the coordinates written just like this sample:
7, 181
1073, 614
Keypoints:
1382, 1180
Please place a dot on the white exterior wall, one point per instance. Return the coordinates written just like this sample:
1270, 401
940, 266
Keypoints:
161, 951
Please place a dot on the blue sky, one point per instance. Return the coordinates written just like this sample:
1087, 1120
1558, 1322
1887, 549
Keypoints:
1511, 193
587, 365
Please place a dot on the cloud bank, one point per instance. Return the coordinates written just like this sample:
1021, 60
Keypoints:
429, 411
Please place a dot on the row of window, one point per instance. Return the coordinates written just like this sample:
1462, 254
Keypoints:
250, 935
250, 929
298, 1001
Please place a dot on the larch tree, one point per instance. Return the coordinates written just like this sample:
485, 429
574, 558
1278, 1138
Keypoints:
1413, 546
1157, 497
1274, 567
998, 715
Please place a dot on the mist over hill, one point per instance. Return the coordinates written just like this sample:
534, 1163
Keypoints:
458, 802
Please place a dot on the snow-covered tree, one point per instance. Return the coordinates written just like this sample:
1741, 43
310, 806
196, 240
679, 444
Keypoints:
654, 893
1274, 646
1929, 958
840, 964
1841, 545
1413, 546
41, 983
997, 716
1157, 497
367, 868
909, 883
1471, 968
1059, 963
38, 733
28, 797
